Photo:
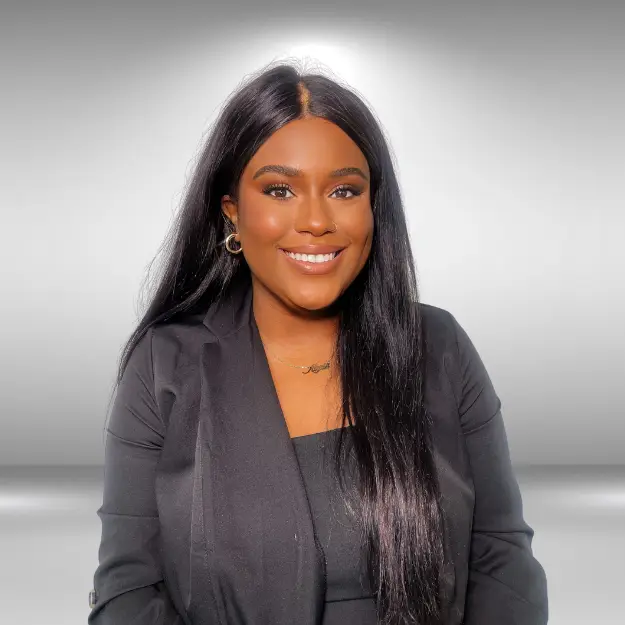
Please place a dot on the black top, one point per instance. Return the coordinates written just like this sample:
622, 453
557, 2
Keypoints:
348, 595
205, 516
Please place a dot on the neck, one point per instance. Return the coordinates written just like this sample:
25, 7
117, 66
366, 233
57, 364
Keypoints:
300, 336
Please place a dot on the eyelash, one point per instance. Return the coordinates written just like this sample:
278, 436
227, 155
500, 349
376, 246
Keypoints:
356, 192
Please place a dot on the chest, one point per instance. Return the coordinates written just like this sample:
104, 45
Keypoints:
310, 402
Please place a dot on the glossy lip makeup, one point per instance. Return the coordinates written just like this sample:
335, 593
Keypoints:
313, 259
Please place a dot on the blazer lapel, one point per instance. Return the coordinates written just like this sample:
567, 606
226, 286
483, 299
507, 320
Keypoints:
264, 563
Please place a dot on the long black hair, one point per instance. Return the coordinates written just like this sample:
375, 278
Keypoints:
380, 345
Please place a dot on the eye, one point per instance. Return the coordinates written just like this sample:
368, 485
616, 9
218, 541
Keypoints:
353, 190
285, 187
279, 187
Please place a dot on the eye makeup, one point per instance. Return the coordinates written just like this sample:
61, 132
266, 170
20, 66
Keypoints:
355, 191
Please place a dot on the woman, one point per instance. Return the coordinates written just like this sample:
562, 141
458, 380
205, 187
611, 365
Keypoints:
286, 325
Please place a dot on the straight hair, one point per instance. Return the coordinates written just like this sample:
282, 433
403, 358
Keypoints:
380, 343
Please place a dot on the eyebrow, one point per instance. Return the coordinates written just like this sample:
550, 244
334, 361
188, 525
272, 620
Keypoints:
294, 172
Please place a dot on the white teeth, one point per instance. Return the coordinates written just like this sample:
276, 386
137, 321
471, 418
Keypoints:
313, 258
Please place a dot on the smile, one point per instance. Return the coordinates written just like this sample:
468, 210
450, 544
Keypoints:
313, 264
312, 258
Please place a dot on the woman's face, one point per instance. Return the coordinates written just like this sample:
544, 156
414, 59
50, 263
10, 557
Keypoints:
307, 207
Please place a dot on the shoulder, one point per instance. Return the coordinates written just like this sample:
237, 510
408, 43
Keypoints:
445, 334
177, 339
449, 344
167, 350
439, 327
162, 345
180, 331
437, 322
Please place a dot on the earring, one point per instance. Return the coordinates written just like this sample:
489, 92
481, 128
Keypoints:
229, 238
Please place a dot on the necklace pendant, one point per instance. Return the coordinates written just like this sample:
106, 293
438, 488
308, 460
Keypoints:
317, 368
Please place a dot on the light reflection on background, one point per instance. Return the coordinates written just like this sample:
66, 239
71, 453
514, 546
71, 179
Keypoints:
506, 123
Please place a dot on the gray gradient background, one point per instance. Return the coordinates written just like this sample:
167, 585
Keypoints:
506, 121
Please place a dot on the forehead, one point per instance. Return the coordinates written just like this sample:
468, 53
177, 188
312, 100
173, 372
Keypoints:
311, 144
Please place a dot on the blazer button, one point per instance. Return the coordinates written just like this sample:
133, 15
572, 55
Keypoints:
93, 598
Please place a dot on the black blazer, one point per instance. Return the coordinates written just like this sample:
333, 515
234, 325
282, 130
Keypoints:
205, 518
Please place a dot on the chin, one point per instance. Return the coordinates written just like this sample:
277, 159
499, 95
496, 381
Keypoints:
313, 300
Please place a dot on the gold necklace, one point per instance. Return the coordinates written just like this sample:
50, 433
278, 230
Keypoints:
315, 368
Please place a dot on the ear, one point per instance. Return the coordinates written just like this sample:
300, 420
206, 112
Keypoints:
230, 209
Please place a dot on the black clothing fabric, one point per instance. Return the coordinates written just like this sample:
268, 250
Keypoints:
205, 517
348, 595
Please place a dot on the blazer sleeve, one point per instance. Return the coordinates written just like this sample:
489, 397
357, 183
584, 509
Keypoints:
128, 582
506, 584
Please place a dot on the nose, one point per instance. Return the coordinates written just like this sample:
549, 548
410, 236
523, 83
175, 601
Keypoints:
314, 216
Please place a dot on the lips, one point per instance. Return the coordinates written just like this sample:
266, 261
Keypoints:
312, 258
313, 262
314, 249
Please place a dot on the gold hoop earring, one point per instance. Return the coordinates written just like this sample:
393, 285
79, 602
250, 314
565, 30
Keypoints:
229, 238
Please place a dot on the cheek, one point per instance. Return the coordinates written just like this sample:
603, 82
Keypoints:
362, 229
263, 223
362, 237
